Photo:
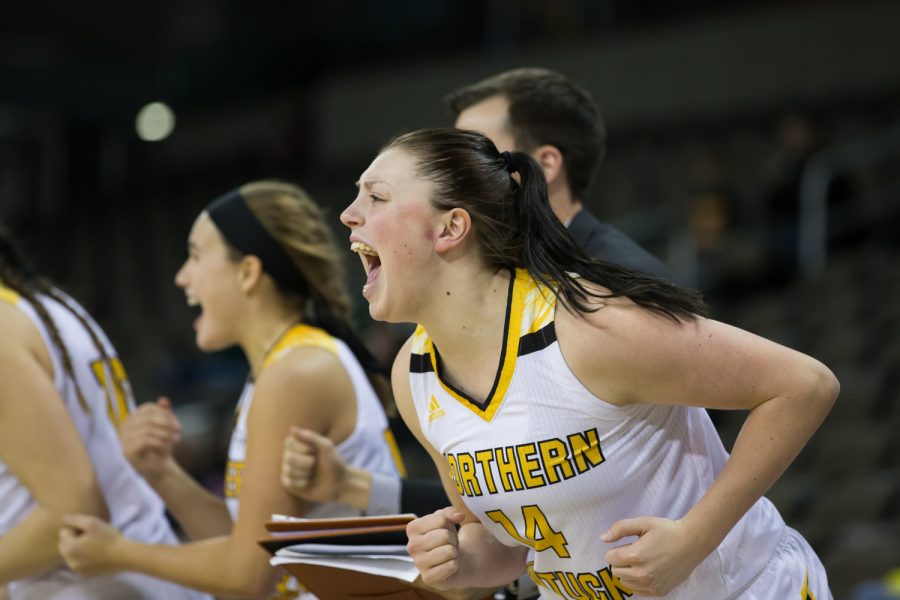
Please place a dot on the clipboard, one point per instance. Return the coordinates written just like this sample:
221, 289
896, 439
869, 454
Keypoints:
330, 583
359, 536
351, 531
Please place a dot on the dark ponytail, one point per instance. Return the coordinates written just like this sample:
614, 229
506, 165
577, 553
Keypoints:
516, 228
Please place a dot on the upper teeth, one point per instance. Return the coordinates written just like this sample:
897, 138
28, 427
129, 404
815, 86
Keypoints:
363, 249
192, 302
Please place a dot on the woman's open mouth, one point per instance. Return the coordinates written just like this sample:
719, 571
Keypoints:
195, 305
371, 263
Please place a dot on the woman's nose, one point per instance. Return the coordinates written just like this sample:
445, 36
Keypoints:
350, 216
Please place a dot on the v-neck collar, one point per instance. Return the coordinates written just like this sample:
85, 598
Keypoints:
512, 325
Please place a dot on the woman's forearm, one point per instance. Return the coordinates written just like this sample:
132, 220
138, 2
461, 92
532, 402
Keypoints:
30, 546
200, 513
220, 565
355, 487
772, 436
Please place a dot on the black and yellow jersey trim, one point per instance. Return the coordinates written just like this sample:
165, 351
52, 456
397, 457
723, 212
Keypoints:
538, 340
9, 296
527, 327
295, 337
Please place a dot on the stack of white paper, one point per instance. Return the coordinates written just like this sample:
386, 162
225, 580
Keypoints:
387, 561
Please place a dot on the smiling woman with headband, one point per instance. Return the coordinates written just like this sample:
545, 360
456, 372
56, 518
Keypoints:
264, 270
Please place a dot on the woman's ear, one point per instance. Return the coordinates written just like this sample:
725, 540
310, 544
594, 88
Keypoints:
551, 161
249, 273
455, 227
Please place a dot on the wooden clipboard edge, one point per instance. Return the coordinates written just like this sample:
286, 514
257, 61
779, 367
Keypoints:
338, 523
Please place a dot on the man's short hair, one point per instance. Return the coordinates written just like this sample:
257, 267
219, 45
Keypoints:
545, 108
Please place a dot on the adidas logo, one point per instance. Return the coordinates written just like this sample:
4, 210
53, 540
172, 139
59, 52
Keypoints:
434, 410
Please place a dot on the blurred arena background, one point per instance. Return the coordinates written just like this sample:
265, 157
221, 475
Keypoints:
755, 147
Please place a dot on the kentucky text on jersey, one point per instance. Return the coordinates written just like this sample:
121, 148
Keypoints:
599, 585
525, 466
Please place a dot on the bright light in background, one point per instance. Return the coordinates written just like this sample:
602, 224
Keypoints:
154, 122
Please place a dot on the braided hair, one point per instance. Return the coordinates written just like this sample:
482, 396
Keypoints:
18, 275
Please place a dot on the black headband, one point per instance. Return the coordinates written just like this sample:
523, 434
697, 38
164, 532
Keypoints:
240, 228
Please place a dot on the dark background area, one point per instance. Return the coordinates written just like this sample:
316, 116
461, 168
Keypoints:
721, 117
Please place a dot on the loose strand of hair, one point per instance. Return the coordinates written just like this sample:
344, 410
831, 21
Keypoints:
324, 316
14, 274
105, 358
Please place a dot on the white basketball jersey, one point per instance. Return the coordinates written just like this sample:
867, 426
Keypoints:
371, 446
545, 464
134, 507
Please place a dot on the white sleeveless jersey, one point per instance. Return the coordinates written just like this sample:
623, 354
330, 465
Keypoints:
370, 446
545, 464
134, 507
